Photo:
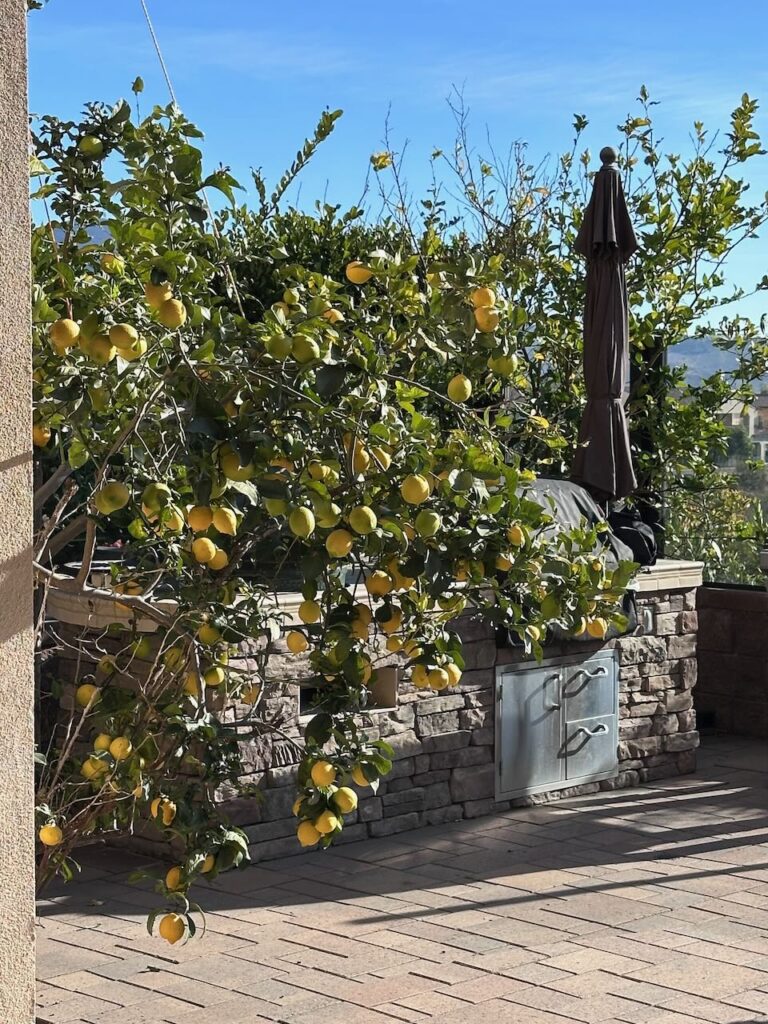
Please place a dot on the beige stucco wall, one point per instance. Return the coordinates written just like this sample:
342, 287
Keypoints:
16, 647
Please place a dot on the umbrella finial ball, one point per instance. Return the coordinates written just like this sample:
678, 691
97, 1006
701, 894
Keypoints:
608, 155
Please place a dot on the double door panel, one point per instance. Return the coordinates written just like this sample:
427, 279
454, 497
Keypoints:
557, 724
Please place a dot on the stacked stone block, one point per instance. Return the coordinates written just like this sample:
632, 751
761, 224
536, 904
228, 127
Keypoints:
444, 762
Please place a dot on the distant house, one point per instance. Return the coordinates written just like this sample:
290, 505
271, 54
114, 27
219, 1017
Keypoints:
753, 420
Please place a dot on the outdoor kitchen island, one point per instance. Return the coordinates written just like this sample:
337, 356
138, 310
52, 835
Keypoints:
617, 713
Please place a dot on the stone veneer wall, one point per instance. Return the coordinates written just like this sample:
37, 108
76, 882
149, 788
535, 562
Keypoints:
733, 660
444, 765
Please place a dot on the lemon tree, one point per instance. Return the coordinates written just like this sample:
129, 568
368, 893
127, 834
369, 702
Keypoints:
362, 426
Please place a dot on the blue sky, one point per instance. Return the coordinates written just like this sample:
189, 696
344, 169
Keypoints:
255, 76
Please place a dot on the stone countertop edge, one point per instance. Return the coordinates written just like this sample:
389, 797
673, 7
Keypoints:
669, 574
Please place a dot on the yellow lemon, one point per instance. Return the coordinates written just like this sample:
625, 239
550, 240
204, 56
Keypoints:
361, 460
453, 672
93, 767
419, 676
379, 583
173, 879
199, 518
168, 808
296, 642
428, 523
172, 928
459, 388
171, 313
100, 349
111, 497
121, 748
102, 741
156, 497
580, 628
392, 624
344, 800
174, 658
482, 297
318, 470
297, 805
225, 521
233, 468
327, 822
415, 489
41, 435
301, 522
393, 644
278, 346
357, 273
63, 334
516, 535
219, 560
112, 264
339, 543
123, 335
323, 773
438, 678
208, 634
173, 520
214, 676
203, 549
307, 834
50, 835
363, 520
486, 319
461, 571
505, 366
358, 776
276, 506
382, 456
363, 613
85, 693
309, 612
304, 349
333, 316
208, 864
597, 628
503, 562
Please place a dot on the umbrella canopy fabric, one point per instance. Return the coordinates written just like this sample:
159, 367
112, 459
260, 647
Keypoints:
603, 462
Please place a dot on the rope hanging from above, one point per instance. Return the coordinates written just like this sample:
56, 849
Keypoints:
172, 93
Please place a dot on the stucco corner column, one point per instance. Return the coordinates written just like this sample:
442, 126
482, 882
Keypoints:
17, 849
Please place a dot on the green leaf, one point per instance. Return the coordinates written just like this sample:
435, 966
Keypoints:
330, 378
319, 729
77, 455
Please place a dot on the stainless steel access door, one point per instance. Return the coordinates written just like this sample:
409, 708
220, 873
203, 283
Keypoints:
556, 724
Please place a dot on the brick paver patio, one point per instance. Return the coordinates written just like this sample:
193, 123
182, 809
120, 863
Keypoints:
645, 906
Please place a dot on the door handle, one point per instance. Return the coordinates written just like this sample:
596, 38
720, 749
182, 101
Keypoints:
594, 732
554, 706
601, 670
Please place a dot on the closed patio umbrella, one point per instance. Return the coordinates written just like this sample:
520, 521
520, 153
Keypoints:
603, 462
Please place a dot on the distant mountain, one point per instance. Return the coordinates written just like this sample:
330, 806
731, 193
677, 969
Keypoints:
701, 358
